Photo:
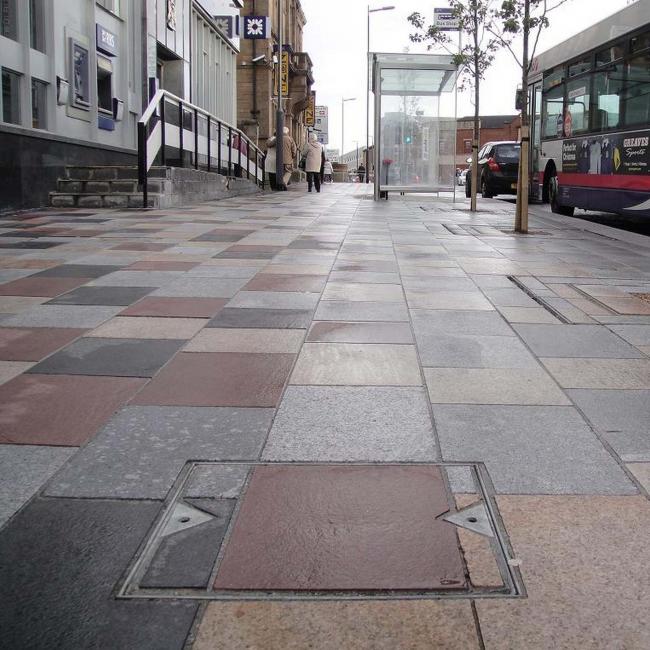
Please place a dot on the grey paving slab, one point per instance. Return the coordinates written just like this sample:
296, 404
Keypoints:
67, 555
202, 287
143, 448
77, 270
352, 423
448, 351
634, 334
7, 275
574, 341
23, 470
622, 374
110, 357
259, 318
217, 481
474, 323
513, 297
361, 311
530, 449
227, 272
136, 279
102, 296
274, 300
622, 416
78, 316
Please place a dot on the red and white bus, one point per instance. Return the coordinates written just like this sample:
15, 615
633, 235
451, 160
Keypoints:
590, 117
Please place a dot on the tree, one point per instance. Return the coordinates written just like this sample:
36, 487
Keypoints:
473, 59
523, 18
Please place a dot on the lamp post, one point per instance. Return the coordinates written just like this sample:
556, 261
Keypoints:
370, 11
343, 100
279, 116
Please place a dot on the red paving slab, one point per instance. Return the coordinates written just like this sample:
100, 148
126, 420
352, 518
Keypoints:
219, 379
176, 307
41, 286
34, 343
62, 409
342, 528
272, 282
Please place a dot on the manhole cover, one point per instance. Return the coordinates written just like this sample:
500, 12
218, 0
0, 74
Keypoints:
324, 531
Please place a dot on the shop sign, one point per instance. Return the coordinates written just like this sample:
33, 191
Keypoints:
229, 25
310, 111
106, 40
610, 154
256, 27
445, 21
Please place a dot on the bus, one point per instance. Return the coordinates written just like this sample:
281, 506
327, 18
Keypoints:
590, 118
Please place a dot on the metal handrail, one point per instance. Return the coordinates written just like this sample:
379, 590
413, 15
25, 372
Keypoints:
154, 115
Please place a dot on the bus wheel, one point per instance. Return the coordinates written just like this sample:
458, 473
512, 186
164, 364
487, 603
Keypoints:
556, 208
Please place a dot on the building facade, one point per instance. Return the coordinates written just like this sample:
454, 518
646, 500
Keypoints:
494, 128
257, 73
77, 75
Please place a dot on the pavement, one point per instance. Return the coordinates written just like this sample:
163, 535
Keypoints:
243, 424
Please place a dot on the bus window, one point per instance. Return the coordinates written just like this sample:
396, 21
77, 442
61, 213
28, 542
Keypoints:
609, 54
552, 104
608, 89
578, 96
637, 92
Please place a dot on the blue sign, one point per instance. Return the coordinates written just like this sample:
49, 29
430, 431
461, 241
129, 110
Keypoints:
229, 25
256, 27
106, 41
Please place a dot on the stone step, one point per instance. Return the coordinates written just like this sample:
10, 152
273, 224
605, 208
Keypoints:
115, 200
68, 186
110, 172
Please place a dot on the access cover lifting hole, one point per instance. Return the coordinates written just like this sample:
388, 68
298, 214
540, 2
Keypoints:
326, 531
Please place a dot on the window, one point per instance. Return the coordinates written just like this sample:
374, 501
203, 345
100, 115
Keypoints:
8, 19
578, 97
579, 67
36, 25
39, 104
608, 90
10, 97
104, 84
609, 54
640, 42
110, 5
637, 92
507, 152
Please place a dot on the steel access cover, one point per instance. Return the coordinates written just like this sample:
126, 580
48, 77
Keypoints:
326, 531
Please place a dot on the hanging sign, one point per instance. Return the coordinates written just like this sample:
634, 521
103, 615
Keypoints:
445, 20
256, 27
229, 25
106, 41
285, 73
310, 111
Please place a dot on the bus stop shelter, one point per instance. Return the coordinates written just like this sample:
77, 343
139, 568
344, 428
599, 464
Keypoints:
414, 123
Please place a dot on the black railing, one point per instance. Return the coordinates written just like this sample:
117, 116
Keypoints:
169, 131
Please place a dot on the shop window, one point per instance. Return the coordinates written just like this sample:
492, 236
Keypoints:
640, 42
10, 97
578, 98
9, 19
36, 25
608, 91
104, 84
110, 5
637, 92
80, 75
39, 104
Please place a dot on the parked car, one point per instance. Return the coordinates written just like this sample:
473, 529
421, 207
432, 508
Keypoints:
498, 167
462, 177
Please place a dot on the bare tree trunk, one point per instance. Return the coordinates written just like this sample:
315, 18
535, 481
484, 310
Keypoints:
521, 218
477, 113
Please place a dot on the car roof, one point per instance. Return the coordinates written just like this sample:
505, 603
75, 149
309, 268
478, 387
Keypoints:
501, 142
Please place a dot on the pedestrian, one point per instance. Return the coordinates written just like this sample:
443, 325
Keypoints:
362, 172
269, 162
328, 171
289, 151
313, 151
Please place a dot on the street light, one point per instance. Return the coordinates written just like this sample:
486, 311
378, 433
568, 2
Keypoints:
370, 11
343, 100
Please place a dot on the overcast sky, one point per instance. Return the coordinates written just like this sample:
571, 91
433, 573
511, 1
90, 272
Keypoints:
335, 38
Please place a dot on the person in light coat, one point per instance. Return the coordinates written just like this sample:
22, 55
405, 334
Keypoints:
289, 151
314, 155
328, 171
269, 162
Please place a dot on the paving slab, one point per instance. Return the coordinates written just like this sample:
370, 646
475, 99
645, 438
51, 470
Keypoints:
15, 304
110, 356
632, 374
641, 472
262, 318
450, 300
33, 344
352, 424
347, 364
201, 287
638, 335
274, 300
151, 279
34, 286
528, 315
120, 296
363, 292
78, 271
121, 461
11, 369
530, 449
176, 307
574, 341
247, 340
23, 470
575, 598
77, 316
287, 536
473, 323
219, 379
368, 332
70, 409
285, 282
67, 555
143, 327
341, 310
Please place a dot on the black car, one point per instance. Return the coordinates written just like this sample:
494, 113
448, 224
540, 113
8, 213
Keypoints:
498, 166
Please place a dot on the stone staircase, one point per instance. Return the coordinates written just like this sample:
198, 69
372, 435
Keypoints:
117, 187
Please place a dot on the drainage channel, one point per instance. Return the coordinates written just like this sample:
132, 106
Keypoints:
539, 300
326, 531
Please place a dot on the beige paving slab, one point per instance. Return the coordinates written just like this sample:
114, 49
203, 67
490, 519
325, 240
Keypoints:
641, 472
345, 364
16, 304
297, 269
633, 374
528, 315
363, 292
396, 625
11, 369
492, 386
247, 340
138, 327
584, 562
